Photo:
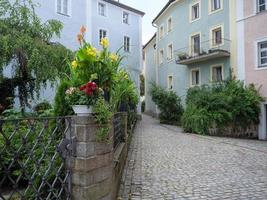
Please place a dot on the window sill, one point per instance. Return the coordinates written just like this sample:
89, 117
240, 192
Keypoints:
194, 20
261, 68
215, 11
66, 15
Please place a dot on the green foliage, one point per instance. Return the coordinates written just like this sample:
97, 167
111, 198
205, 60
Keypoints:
28, 132
142, 85
221, 105
143, 106
25, 44
103, 117
168, 103
62, 108
124, 92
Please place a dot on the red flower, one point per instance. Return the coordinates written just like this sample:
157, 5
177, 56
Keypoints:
89, 88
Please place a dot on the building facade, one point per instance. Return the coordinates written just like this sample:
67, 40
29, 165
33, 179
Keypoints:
252, 50
194, 44
121, 24
150, 57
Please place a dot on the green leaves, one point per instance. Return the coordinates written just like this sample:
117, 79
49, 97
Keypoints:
25, 45
230, 103
168, 103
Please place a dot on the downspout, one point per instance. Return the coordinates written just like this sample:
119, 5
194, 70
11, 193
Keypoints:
157, 66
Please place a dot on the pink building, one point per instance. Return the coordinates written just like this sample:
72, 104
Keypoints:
252, 49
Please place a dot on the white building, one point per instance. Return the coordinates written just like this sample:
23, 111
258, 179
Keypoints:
121, 24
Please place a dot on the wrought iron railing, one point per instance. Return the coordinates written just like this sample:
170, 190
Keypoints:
202, 49
119, 135
33, 158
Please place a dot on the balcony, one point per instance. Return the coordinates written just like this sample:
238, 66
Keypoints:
204, 51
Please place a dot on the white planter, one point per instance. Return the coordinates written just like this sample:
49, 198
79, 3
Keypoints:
82, 110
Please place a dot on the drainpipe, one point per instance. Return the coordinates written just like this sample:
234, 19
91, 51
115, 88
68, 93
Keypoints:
157, 66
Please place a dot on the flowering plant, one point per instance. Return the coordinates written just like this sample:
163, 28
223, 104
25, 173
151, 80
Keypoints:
84, 95
95, 65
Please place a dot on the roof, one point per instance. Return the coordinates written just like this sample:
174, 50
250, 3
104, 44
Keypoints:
163, 9
149, 41
116, 3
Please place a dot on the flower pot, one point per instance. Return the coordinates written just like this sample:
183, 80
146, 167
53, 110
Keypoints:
82, 110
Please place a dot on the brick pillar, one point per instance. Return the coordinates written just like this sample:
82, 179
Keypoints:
93, 165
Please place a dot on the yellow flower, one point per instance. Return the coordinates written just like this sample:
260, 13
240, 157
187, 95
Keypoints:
91, 51
114, 57
104, 42
74, 64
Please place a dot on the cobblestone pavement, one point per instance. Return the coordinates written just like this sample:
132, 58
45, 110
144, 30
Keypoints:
164, 163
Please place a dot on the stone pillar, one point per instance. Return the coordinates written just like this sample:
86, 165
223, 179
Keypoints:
92, 167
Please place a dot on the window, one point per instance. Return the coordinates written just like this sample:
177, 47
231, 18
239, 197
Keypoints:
170, 52
217, 36
195, 41
170, 24
102, 34
125, 17
195, 11
195, 77
215, 5
63, 7
217, 73
262, 54
161, 56
161, 32
261, 5
170, 83
126, 44
102, 9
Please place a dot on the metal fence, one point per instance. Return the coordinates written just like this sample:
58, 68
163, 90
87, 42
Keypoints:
33, 158
118, 130
119, 135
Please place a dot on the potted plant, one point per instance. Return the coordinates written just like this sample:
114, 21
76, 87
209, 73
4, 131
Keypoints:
182, 56
83, 98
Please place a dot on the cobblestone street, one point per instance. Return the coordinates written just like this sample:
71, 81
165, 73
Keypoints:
164, 163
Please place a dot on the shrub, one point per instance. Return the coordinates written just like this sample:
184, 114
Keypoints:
143, 106
168, 103
221, 105
62, 108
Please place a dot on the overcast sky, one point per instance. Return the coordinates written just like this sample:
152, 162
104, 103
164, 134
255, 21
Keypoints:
151, 8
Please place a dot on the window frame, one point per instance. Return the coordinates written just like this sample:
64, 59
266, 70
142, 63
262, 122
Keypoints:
191, 44
212, 44
211, 72
211, 11
60, 9
127, 50
170, 85
99, 38
191, 11
169, 26
161, 56
105, 9
259, 57
170, 54
191, 77
259, 5
128, 19
161, 31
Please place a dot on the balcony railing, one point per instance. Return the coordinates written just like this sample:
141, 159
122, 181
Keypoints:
202, 52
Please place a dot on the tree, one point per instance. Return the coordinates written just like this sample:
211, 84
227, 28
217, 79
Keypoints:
25, 45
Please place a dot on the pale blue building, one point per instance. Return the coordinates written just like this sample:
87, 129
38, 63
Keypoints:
120, 23
193, 44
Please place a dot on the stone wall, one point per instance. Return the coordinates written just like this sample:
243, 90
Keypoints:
97, 167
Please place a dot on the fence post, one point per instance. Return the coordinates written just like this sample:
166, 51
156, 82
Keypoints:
92, 167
